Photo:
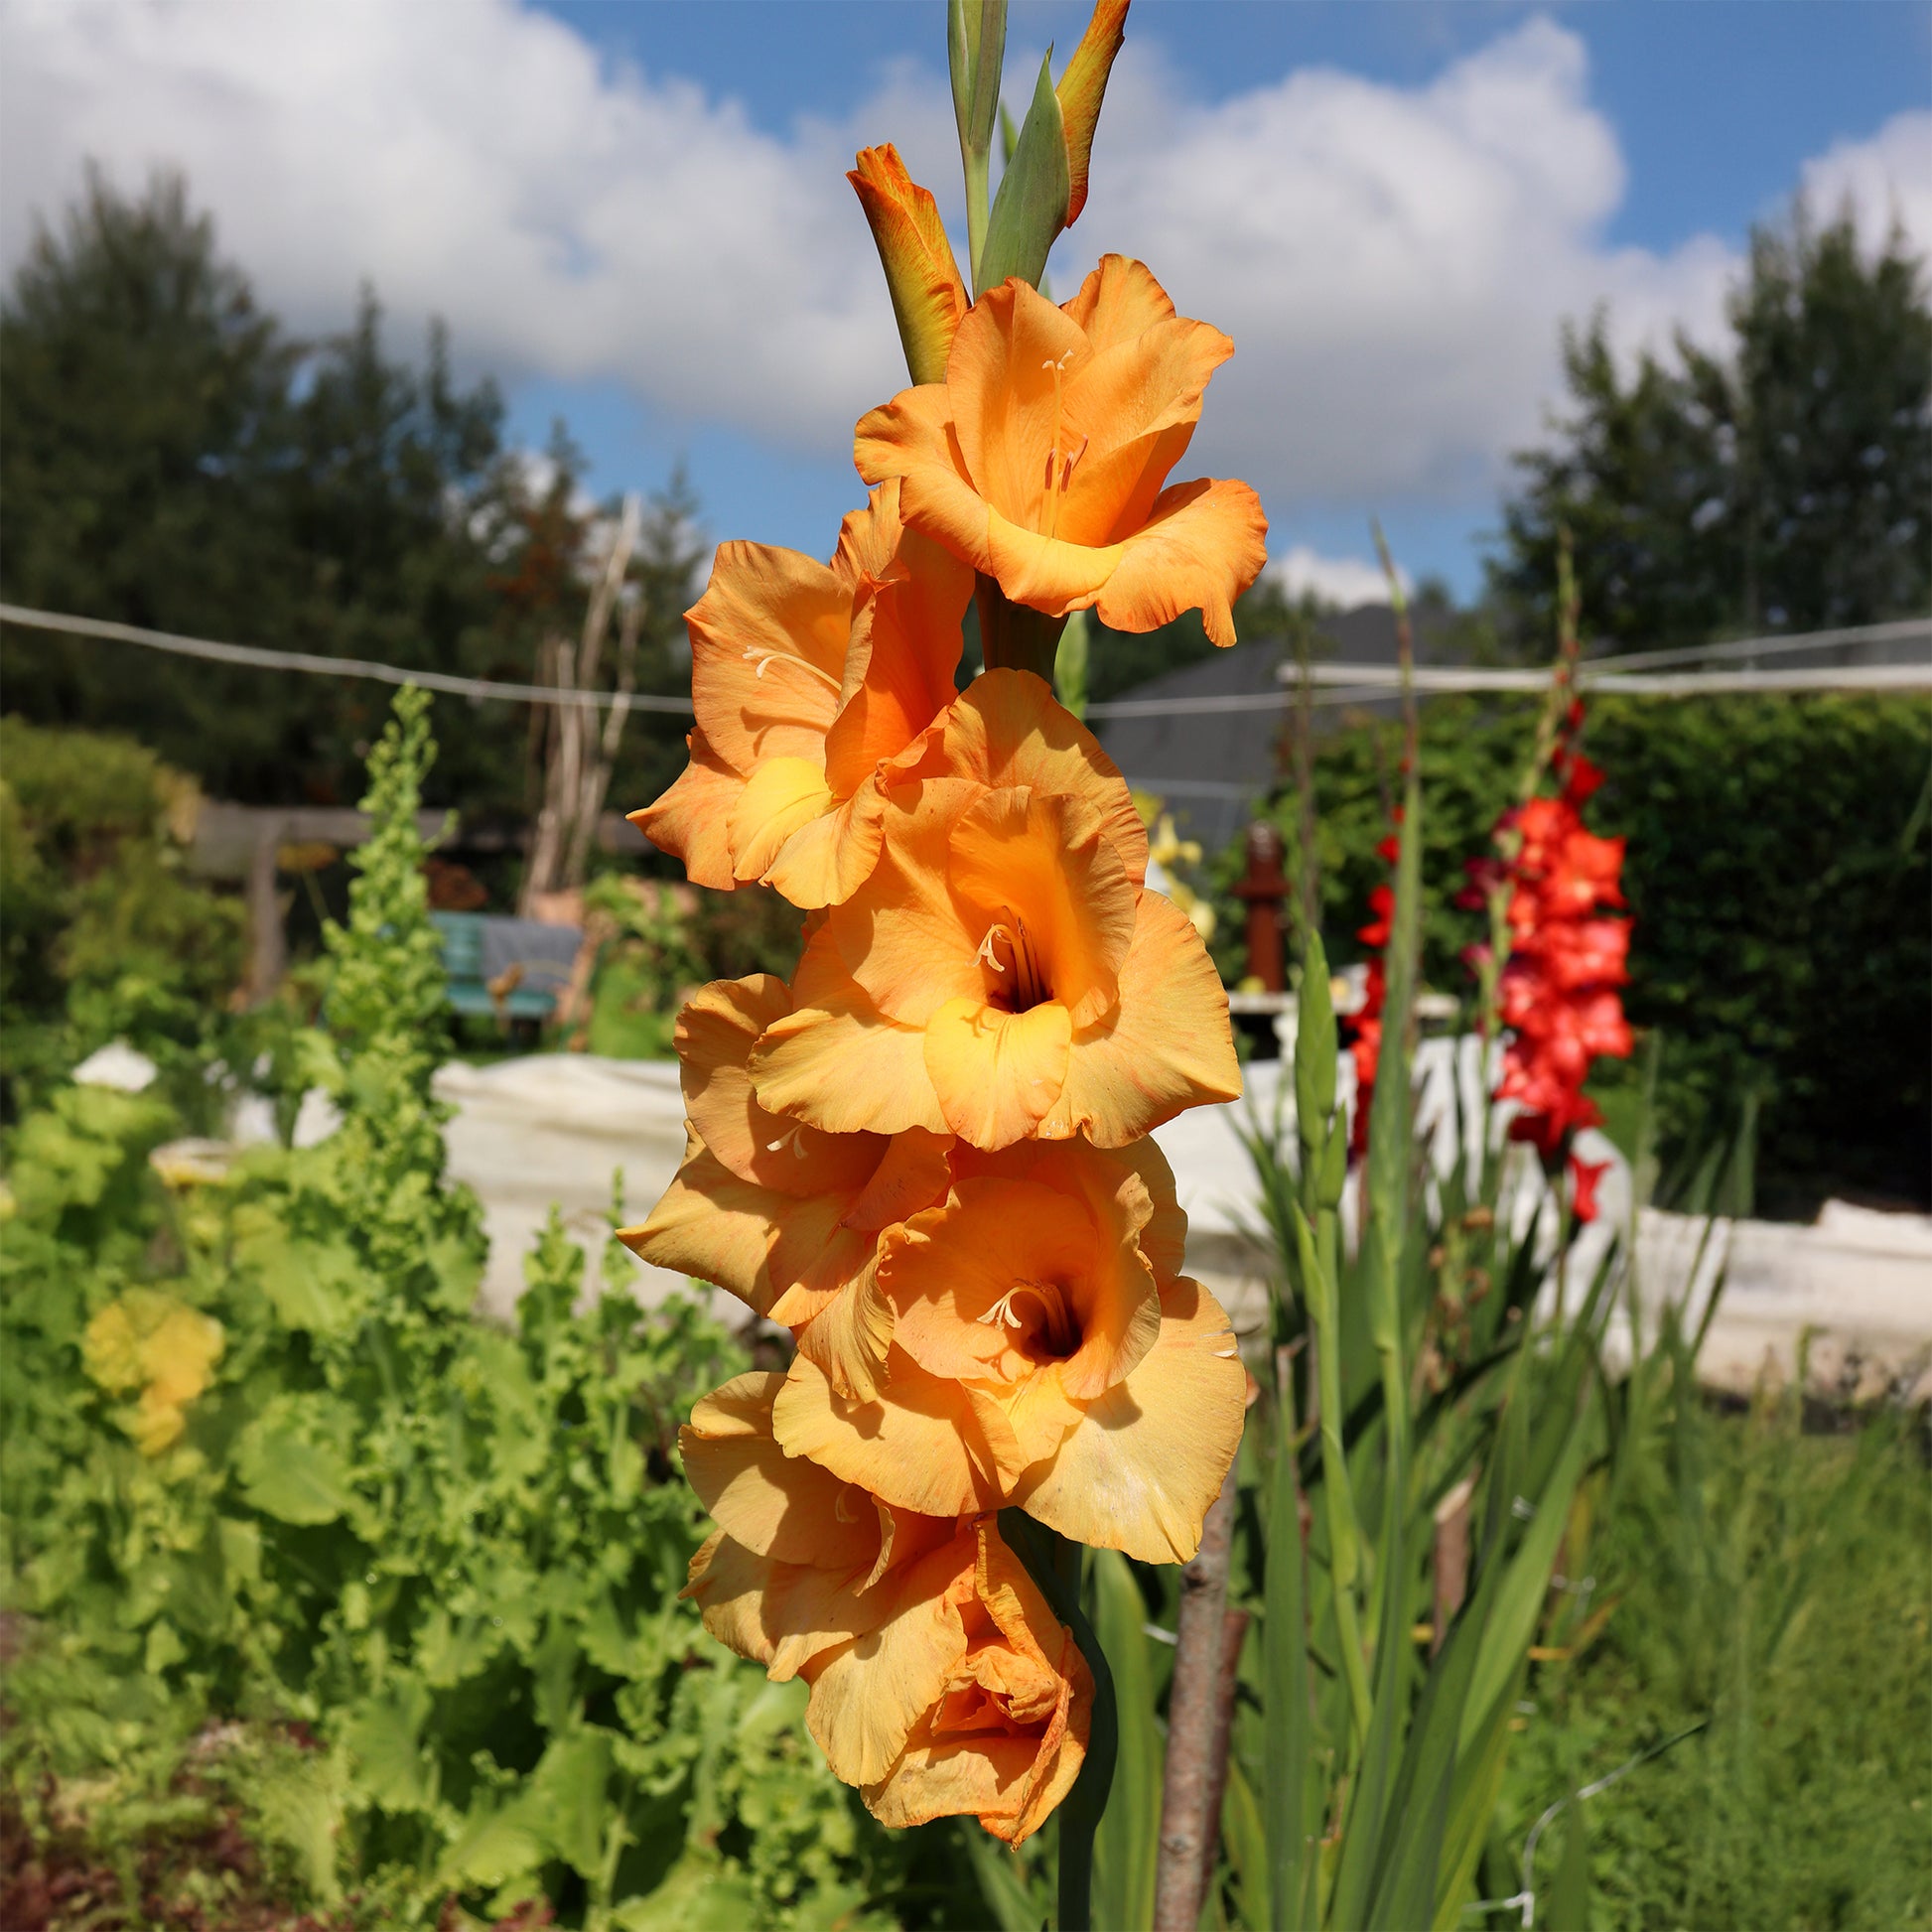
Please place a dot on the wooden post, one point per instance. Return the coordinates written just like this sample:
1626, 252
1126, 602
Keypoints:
1266, 890
1234, 1632
1201, 1627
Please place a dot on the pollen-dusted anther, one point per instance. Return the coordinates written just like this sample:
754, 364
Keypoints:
986, 956
1068, 463
795, 1140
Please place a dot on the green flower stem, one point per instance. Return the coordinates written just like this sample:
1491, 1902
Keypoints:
1054, 1562
1013, 637
1344, 1546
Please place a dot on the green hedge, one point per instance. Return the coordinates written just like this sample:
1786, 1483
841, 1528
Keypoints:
1777, 872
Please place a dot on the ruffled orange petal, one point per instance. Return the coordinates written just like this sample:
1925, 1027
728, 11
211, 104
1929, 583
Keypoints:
1118, 303
905, 941
848, 1336
1167, 1045
995, 1074
1006, 1739
690, 820
775, 1505
1038, 875
1007, 729
909, 441
712, 1226
780, 796
1203, 545
1148, 1456
917, 1445
1013, 360
1135, 406
768, 649
717, 1028
868, 1695
837, 1062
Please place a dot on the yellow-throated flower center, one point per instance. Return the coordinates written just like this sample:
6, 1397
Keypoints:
1019, 980
1040, 1319
1060, 461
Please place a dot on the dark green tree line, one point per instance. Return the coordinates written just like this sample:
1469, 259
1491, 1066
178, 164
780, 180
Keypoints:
1781, 483
172, 456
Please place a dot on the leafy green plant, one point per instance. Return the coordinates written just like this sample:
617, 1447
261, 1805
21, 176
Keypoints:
106, 936
1771, 845
646, 958
406, 1588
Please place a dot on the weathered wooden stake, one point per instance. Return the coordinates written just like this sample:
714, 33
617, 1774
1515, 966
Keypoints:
1191, 1720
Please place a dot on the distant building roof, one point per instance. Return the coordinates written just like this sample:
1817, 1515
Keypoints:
1212, 767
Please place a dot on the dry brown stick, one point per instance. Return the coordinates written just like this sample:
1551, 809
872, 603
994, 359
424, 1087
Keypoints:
1191, 1720
1235, 1631
1451, 1565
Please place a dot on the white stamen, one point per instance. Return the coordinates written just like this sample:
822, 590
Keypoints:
986, 955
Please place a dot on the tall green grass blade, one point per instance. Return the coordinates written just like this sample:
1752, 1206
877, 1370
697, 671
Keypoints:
1001, 1886
1375, 1777
1249, 1849
1126, 1845
1511, 1624
1345, 1540
1288, 1736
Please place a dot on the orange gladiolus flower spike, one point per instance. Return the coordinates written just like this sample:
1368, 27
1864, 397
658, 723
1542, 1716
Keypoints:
1045, 1352
781, 1214
1041, 456
807, 679
1003, 975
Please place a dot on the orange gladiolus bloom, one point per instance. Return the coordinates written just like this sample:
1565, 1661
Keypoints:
941, 1681
1003, 975
783, 1215
809, 680
1041, 456
1046, 1351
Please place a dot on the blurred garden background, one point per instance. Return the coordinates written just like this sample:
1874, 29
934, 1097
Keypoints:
341, 1502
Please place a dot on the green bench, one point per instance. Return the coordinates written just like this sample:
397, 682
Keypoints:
478, 948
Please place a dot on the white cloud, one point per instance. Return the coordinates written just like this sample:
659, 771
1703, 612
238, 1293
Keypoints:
1393, 262
1345, 582
1886, 178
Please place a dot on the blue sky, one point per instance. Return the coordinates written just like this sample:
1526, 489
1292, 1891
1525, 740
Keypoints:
1716, 104
632, 211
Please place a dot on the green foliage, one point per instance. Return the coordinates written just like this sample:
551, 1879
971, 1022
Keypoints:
1777, 868
404, 1595
1781, 485
645, 962
1775, 1584
106, 935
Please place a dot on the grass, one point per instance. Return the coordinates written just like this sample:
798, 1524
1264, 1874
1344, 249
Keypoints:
1777, 1584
